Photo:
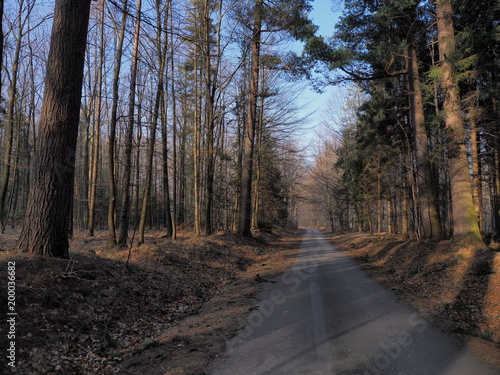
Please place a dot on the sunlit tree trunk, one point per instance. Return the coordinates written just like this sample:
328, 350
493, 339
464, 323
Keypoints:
476, 165
465, 221
246, 180
427, 202
258, 165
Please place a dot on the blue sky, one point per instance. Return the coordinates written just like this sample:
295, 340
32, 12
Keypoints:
325, 15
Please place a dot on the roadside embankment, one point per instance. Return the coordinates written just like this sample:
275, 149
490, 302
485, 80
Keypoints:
458, 288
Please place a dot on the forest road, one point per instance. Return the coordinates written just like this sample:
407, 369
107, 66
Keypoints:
324, 316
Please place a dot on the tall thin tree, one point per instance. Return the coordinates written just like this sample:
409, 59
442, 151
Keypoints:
245, 219
112, 127
127, 168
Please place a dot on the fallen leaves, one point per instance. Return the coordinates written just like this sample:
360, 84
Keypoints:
85, 315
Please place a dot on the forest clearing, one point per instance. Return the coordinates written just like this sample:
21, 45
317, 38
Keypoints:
155, 155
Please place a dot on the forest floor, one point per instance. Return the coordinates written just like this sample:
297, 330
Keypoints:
173, 305
457, 288
169, 309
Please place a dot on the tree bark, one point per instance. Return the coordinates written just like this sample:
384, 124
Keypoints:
45, 230
127, 168
427, 199
96, 138
1, 44
197, 148
162, 57
465, 221
10, 114
477, 193
173, 212
112, 130
246, 178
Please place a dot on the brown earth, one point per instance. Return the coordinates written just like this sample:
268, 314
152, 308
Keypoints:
172, 307
456, 287
167, 310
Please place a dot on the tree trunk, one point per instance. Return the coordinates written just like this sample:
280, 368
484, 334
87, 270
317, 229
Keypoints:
112, 130
379, 200
477, 193
96, 138
465, 221
431, 228
45, 230
496, 188
10, 114
197, 148
173, 212
1, 44
127, 168
246, 180
210, 85
169, 218
162, 56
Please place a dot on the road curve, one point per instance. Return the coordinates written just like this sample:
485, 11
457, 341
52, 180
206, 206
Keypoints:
326, 317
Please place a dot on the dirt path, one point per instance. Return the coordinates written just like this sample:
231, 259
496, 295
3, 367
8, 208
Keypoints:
327, 317
196, 341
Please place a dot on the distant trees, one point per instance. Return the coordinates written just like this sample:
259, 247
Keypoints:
419, 130
188, 120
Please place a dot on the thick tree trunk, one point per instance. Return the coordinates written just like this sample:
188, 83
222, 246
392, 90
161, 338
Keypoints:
465, 221
431, 228
246, 178
45, 230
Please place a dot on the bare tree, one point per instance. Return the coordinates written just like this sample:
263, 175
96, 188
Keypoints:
97, 127
112, 128
245, 219
127, 170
